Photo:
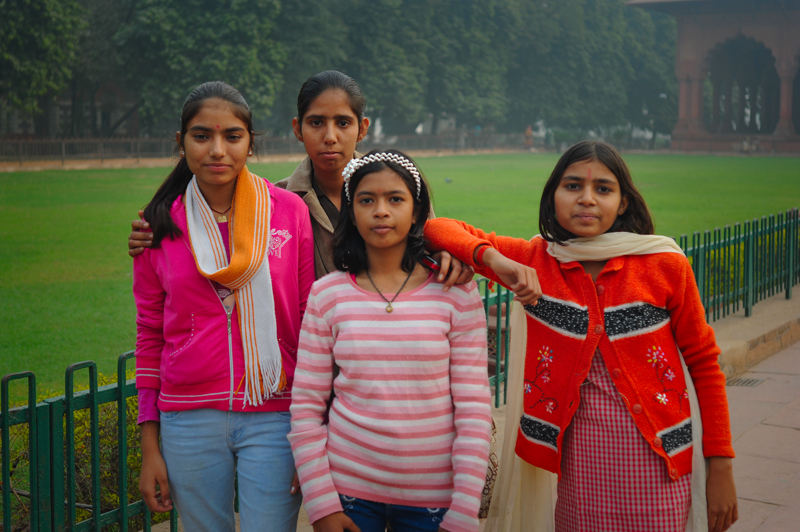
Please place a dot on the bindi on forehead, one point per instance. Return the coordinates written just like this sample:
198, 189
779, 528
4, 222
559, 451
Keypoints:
217, 126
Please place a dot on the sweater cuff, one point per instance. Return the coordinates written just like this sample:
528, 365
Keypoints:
148, 405
717, 447
440, 237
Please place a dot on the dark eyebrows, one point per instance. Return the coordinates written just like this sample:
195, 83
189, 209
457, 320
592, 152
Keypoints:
335, 117
227, 130
387, 193
599, 180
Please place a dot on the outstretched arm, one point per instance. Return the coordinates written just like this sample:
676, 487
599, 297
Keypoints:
499, 258
520, 279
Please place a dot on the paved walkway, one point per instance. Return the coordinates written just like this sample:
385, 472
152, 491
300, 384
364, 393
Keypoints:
765, 421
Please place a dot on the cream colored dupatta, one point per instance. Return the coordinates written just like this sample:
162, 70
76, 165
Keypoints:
247, 275
524, 495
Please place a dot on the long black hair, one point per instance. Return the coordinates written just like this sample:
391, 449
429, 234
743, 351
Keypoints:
157, 212
330, 79
349, 250
635, 219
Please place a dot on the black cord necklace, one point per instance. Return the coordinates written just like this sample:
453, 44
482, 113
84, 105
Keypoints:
221, 218
389, 307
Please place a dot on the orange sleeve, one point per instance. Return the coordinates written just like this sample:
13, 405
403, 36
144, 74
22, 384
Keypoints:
461, 239
695, 339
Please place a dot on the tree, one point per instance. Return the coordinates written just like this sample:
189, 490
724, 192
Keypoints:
37, 49
470, 46
314, 38
98, 63
387, 49
592, 65
547, 65
171, 46
652, 90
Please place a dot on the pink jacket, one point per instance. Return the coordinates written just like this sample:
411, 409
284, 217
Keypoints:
185, 349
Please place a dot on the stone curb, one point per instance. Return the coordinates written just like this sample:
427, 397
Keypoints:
774, 325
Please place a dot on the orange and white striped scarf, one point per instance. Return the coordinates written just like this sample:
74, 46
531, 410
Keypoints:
247, 275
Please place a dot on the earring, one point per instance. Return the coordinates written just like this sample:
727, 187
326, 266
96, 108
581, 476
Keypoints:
183, 153
250, 152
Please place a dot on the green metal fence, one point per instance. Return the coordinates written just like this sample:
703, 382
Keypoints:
40, 484
496, 301
737, 267
734, 269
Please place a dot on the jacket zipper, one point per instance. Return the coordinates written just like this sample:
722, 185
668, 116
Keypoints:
229, 311
228, 314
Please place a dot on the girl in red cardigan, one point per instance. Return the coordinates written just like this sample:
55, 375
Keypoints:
617, 344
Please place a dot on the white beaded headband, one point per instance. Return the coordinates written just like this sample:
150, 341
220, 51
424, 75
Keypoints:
399, 160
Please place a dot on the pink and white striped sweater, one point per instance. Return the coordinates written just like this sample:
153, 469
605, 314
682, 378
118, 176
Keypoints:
410, 421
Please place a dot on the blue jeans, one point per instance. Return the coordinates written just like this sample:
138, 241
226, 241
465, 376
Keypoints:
202, 448
374, 516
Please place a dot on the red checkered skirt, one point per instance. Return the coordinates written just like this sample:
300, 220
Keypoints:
611, 480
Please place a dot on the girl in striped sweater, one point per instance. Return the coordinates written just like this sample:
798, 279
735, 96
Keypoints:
407, 436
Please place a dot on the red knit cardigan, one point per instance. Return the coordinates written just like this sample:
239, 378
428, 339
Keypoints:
638, 310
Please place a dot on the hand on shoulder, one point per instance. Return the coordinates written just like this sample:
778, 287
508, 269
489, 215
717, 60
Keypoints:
452, 271
141, 237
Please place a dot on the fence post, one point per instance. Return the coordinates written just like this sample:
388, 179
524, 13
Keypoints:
749, 266
701, 258
122, 437
45, 502
498, 352
791, 249
33, 473
69, 397
58, 514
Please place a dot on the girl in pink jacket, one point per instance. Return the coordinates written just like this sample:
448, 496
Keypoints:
220, 298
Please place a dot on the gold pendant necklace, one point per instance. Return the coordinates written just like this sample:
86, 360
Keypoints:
221, 218
389, 307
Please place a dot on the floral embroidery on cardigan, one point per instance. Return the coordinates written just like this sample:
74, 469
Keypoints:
665, 374
545, 358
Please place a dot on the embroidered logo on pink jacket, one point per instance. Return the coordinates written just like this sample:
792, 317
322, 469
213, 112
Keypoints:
277, 239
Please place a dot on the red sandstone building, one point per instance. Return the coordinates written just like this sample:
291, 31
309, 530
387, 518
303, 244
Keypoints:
737, 64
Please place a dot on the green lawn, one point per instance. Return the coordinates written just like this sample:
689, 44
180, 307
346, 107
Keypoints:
66, 277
